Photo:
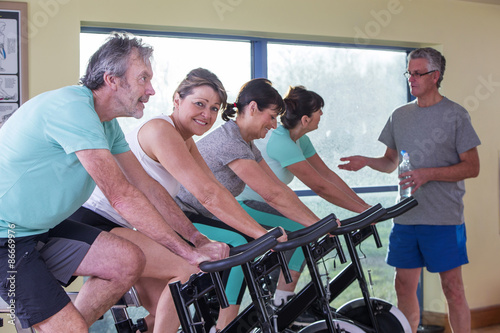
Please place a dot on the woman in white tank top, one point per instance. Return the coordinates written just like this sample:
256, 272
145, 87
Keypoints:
165, 148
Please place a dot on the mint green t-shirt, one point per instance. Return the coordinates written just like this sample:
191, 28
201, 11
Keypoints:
42, 182
280, 151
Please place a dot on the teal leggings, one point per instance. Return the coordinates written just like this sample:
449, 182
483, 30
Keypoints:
233, 238
235, 279
272, 220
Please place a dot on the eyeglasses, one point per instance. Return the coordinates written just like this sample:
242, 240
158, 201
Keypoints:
416, 75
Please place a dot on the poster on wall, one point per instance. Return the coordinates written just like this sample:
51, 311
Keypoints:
13, 58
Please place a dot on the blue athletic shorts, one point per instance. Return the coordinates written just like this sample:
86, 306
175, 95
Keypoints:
33, 268
439, 248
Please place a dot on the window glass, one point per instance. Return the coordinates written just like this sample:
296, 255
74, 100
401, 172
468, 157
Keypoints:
173, 58
361, 88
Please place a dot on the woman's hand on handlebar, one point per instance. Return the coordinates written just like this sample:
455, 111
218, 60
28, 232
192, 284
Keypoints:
283, 237
338, 225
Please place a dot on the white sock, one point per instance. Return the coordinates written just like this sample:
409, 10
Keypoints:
281, 297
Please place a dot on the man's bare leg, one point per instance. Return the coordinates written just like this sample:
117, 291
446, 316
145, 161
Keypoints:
406, 284
163, 266
458, 308
67, 320
114, 265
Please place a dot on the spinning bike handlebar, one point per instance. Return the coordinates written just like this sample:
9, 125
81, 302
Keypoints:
244, 253
401, 207
309, 234
368, 217
330, 220
329, 225
275, 232
361, 217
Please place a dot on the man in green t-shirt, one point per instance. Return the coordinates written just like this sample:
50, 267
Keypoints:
55, 149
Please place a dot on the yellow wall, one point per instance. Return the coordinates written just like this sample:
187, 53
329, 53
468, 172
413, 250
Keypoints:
467, 33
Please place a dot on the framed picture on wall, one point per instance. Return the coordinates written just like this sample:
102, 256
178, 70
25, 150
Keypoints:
13, 58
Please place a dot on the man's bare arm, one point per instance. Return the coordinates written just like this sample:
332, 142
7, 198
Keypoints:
160, 198
133, 205
387, 163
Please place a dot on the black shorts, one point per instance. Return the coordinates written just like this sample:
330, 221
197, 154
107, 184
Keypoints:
89, 217
33, 268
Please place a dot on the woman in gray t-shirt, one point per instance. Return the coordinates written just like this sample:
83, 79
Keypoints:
235, 161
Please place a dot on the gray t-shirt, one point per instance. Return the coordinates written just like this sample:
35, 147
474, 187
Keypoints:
434, 137
219, 148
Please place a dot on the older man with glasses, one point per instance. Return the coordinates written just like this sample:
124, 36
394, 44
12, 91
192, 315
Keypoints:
442, 144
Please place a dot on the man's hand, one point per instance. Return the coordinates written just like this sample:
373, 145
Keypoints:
354, 163
467, 167
387, 163
210, 251
415, 179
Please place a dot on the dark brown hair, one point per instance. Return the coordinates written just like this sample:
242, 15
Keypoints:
300, 102
259, 90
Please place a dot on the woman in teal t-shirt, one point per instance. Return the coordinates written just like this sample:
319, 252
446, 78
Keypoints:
289, 152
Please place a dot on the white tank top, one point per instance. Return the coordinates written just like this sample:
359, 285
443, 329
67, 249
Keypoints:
100, 204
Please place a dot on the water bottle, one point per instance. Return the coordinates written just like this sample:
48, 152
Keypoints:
404, 167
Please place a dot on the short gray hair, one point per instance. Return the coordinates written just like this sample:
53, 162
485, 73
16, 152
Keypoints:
434, 57
112, 58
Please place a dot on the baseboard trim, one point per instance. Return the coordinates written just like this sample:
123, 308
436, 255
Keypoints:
436, 318
480, 317
486, 316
